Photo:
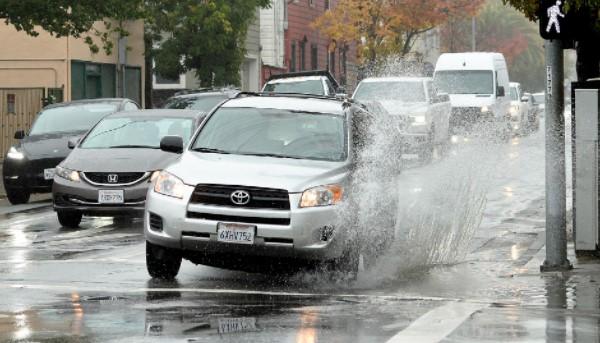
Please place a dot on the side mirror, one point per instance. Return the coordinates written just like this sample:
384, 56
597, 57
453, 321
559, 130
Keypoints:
524, 99
500, 92
20, 134
172, 144
72, 143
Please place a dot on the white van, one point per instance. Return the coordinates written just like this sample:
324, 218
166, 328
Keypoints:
478, 85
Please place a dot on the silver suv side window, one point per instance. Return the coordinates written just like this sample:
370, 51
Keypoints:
330, 89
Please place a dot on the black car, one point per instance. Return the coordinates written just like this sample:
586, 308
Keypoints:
202, 100
29, 165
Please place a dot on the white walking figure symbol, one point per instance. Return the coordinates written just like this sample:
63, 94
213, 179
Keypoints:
553, 13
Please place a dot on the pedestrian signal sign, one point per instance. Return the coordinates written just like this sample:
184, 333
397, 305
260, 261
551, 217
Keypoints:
555, 23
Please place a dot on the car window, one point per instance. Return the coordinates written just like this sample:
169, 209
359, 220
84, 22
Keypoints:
136, 132
203, 103
72, 118
330, 88
281, 133
405, 91
514, 94
301, 87
465, 81
130, 106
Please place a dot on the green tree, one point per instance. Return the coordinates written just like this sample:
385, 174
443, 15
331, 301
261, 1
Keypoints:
73, 17
207, 37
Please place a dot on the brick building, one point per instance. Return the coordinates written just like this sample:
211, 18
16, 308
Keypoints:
289, 43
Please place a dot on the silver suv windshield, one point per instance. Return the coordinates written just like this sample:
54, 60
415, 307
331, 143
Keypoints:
136, 132
274, 133
301, 87
404, 91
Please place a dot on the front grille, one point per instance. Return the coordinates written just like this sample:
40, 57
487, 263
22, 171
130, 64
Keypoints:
467, 117
260, 198
156, 222
238, 219
109, 178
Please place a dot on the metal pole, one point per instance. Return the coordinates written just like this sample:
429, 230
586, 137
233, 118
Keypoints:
473, 32
556, 207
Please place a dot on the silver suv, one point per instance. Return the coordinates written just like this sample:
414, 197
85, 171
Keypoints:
261, 181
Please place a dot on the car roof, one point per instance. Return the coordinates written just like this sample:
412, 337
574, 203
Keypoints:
398, 79
161, 113
88, 101
200, 94
290, 102
296, 79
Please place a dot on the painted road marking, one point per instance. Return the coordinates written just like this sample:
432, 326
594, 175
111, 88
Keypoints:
438, 323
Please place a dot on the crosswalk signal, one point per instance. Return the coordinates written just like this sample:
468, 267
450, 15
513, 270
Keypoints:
555, 23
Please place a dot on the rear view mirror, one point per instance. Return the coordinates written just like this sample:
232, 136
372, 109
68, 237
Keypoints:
72, 143
500, 92
20, 134
172, 144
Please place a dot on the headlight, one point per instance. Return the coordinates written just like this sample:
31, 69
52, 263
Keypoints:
169, 185
419, 120
15, 154
322, 196
68, 174
154, 175
514, 110
485, 109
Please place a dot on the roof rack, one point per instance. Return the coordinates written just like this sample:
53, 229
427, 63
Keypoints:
323, 72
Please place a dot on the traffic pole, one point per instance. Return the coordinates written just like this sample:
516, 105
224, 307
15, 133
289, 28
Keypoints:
556, 204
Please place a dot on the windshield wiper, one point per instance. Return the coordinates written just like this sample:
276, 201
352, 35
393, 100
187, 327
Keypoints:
132, 146
273, 155
211, 150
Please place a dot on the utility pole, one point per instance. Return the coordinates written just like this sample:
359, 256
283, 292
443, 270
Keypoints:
556, 206
473, 34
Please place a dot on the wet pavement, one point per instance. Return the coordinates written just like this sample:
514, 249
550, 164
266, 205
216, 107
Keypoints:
90, 284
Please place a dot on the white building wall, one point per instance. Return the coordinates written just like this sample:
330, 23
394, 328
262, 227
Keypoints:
272, 34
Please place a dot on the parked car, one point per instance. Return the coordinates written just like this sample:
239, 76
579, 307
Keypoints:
539, 101
261, 182
316, 82
519, 108
478, 86
413, 100
30, 164
109, 171
201, 100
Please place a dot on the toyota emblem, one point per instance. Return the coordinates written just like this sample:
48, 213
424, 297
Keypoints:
113, 178
240, 198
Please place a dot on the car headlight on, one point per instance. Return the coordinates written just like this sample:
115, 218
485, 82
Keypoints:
154, 175
68, 174
485, 109
169, 185
514, 110
419, 120
15, 154
322, 196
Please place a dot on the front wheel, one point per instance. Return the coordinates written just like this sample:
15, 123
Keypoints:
69, 219
162, 263
17, 196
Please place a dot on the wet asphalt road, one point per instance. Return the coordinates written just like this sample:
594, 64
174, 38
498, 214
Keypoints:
90, 284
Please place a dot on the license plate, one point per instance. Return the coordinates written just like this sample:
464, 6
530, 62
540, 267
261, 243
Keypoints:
49, 173
235, 233
110, 196
230, 325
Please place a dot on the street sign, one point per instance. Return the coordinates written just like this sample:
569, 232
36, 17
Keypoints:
555, 22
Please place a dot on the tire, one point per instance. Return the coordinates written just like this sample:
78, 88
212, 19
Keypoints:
162, 263
17, 196
69, 219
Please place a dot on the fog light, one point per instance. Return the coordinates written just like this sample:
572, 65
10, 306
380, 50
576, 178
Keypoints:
325, 233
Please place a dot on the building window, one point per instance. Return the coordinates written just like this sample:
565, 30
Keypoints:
93, 80
314, 57
293, 57
327, 5
303, 55
311, 3
161, 82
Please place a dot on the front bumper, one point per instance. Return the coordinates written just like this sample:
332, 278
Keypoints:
83, 197
301, 238
28, 174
